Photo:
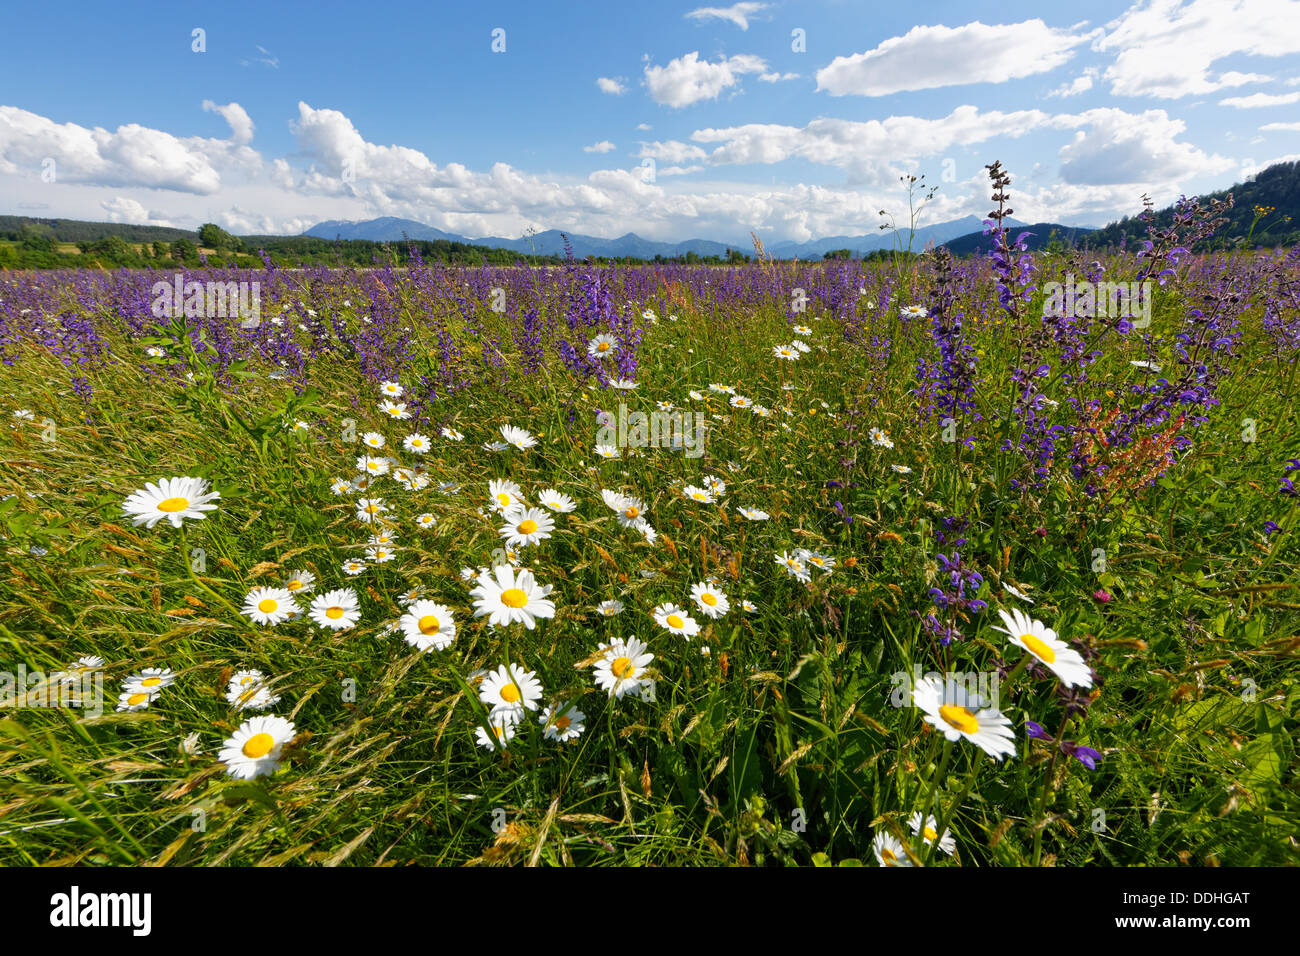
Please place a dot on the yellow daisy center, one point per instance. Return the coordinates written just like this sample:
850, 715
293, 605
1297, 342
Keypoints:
173, 504
514, 597
136, 699
889, 857
930, 834
959, 718
510, 694
334, 613
622, 668
267, 605
632, 511
528, 526
151, 682
709, 599
1038, 648
258, 745
675, 621
371, 509
429, 624
602, 347
562, 723
503, 499
294, 585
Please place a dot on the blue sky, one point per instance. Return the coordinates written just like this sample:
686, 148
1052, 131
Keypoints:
669, 120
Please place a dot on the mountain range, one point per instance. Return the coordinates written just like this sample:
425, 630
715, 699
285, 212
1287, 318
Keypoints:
551, 242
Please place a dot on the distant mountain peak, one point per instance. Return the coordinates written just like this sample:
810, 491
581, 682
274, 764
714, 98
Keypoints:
631, 245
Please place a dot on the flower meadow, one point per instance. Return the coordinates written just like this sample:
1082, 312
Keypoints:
396, 576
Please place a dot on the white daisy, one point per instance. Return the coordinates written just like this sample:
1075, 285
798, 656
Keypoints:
133, 700
711, 601
391, 389
510, 688
340, 486
509, 598
889, 852
372, 440
373, 465
504, 494
172, 500
353, 567
562, 723
300, 582
785, 352
370, 509
602, 346
379, 554
416, 443
610, 608
337, 610
80, 667
754, 514
519, 437
946, 843
269, 606
428, 625
525, 526
394, 410
247, 690
621, 667
151, 680
794, 566
954, 709
673, 618
697, 494
452, 434
426, 521
878, 437
504, 726
1016, 592
608, 452
560, 504
822, 562
630, 512
254, 749
1041, 641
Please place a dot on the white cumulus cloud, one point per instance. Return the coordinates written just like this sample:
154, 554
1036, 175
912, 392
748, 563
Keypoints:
688, 79
929, 57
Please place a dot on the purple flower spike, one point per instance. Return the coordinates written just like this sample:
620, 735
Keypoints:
1036, 731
